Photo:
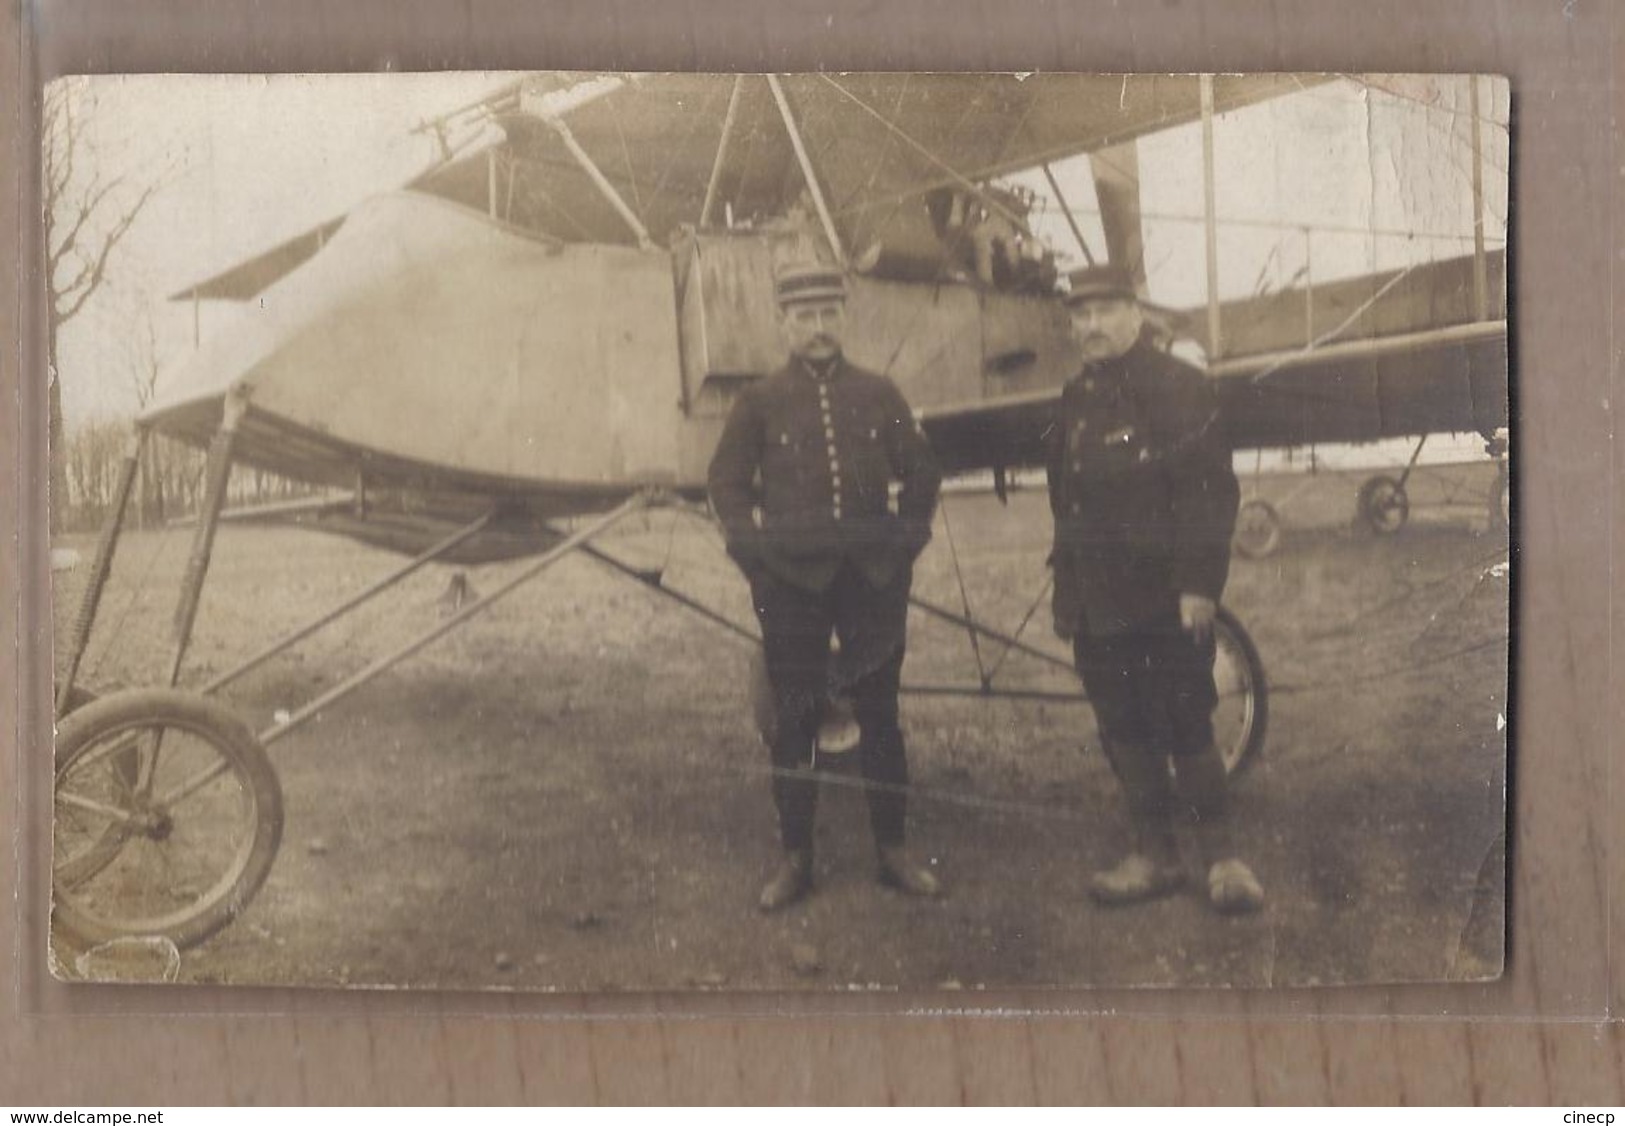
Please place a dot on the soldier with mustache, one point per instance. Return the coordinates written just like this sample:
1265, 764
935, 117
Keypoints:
1144, 499
801, 482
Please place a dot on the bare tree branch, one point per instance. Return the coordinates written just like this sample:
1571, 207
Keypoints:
61, 145
143, 359
94, 196
86, 215
78, 235
89, 279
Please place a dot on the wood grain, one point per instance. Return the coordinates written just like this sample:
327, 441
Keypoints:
1546, 1034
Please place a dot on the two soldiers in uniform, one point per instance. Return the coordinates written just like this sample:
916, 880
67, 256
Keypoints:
1144, 502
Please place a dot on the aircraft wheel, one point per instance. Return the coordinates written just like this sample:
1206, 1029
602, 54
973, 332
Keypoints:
1258, 529
168, 816
94, 857
1384, 505
1241, 720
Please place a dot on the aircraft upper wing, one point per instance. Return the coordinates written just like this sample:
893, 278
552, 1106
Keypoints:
877, 142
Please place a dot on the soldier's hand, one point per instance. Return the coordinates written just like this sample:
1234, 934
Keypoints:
1196, 614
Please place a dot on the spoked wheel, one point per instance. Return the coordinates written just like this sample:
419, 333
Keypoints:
1258, 529
167, 818
1384, 505
1242, 716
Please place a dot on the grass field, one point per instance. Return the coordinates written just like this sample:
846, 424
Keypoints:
567, 794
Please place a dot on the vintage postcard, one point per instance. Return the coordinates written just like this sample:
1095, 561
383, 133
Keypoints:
624, 532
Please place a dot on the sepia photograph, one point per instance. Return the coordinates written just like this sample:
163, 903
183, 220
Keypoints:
604, 533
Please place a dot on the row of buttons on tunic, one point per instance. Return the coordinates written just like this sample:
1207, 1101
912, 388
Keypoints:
834, 462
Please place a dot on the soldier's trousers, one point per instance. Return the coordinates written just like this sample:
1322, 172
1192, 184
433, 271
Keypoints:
1154, 696
796, 628
1152, 689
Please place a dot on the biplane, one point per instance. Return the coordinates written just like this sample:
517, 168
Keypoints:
542, 335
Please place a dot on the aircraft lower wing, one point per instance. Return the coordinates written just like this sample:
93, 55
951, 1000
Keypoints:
1444, 380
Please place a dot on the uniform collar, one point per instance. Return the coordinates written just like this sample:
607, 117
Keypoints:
818, 373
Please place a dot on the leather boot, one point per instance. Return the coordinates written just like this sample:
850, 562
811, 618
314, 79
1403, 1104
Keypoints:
1151, 871
1232, 888
899, 871
1153, 868
1202, 785
790, 882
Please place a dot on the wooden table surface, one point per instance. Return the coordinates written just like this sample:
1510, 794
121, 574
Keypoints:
1543, 1035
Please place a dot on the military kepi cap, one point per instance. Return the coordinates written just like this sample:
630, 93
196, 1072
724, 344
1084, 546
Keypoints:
1095, 282
808, 281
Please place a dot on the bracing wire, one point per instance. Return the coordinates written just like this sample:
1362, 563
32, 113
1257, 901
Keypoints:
1010, 646
964, 597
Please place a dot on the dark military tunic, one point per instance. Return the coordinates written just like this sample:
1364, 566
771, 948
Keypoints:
1142, 490
816, 456
1144, 498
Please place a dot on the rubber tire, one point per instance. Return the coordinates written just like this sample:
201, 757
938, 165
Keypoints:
1377, 515
1228, 631
1263, 547
112, 842
223, 730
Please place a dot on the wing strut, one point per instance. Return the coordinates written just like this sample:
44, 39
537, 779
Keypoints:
958, 177
806, 167
1066, 210
722, 152
598, 178
106, 545
1215, 344
217, 474
389, 580
636, 503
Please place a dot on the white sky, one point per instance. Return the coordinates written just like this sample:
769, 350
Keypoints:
1346, 162
247, 162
